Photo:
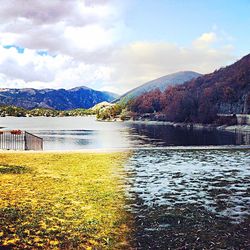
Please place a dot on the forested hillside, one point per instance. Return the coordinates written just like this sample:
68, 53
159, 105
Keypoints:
225, 91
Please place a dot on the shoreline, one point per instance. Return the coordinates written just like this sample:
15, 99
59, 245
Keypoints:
124, 150
69, 151
229, 128
233, 128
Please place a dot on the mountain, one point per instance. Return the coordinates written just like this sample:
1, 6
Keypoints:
225, 91
59, 99
160, 83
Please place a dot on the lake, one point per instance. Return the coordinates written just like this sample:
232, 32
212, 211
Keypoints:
75, 133
182, 191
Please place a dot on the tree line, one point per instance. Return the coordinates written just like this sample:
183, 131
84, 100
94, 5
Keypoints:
21, 112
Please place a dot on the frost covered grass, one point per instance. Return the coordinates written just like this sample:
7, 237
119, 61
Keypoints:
63, 200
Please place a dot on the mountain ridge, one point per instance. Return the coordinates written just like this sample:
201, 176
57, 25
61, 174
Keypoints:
59, 99
161, 83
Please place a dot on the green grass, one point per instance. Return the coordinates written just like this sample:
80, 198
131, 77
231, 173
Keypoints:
63, 200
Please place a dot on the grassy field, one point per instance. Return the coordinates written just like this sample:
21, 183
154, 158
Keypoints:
62, 200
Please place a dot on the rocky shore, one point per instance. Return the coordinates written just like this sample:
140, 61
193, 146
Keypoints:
234, 128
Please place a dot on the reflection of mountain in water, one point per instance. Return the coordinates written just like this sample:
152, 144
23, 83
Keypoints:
69, 133
242, 138
171, 136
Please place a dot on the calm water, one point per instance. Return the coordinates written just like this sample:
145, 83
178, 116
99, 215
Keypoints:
179, 197
64, 133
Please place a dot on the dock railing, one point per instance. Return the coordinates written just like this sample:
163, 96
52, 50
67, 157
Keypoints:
20, 140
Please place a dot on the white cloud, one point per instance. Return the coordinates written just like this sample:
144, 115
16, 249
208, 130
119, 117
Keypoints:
205, 40
89, 38
140, 62
84, 44
69, 27
124, 68
31, 69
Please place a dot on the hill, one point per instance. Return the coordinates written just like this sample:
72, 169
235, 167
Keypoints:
59, 99
21, 112
160, 83
225, 91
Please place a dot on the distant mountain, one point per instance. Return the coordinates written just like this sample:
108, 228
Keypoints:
160, 83
59, 99
225, 91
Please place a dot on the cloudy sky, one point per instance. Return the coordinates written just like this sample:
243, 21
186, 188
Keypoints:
116, 45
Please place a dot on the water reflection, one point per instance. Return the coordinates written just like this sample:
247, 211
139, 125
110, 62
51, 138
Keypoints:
171, 136
80, 139
242, 138
69, 133
190, 198
134, 137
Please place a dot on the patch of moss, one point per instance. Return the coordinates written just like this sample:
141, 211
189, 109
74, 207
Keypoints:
9, 169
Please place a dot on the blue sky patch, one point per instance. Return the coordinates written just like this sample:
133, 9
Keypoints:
20, 50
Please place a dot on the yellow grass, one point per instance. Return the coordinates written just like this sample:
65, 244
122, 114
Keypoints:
62, 201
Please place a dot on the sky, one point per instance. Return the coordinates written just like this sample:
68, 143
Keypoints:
116, 45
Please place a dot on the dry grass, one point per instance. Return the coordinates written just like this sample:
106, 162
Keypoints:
64, 201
